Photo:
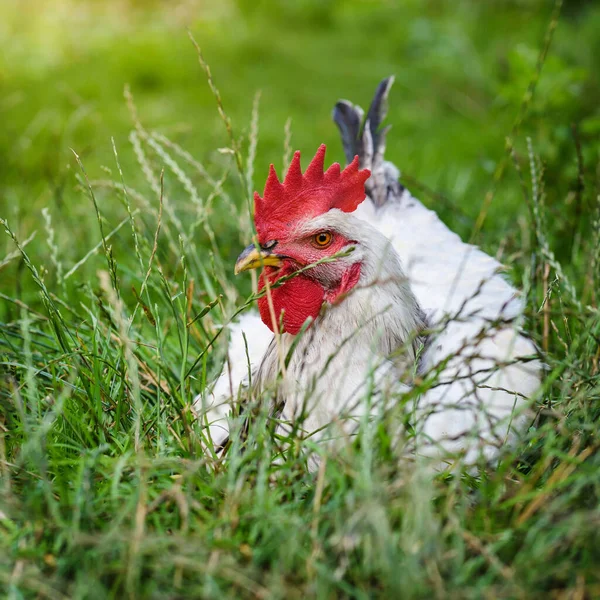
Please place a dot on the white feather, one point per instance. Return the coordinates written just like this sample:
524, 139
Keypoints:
248, 340
446, 275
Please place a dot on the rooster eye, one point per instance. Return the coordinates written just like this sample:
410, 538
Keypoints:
322, 239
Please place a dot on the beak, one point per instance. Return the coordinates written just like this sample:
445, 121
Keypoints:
251, 258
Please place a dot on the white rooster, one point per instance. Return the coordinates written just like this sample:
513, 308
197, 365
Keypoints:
369, 297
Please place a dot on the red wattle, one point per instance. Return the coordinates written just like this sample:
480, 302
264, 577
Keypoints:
298, 298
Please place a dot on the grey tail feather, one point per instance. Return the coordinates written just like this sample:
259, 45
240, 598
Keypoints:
367, 140
378, 111
355, 133
349, 118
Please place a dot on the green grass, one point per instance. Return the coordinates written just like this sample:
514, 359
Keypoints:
104, 488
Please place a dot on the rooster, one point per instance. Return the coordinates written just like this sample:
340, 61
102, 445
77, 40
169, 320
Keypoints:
368, 302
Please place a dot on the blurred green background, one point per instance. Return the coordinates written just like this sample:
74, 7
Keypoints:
462, 71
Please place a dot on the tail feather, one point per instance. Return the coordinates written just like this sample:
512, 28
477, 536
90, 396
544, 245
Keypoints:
367, 141
376, 115
349, 118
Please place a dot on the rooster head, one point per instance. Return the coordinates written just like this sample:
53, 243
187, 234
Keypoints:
301, 229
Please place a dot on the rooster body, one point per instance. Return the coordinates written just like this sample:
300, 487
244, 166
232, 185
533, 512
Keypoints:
401, 298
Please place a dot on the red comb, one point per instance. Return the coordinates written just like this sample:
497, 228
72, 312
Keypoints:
307, 195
